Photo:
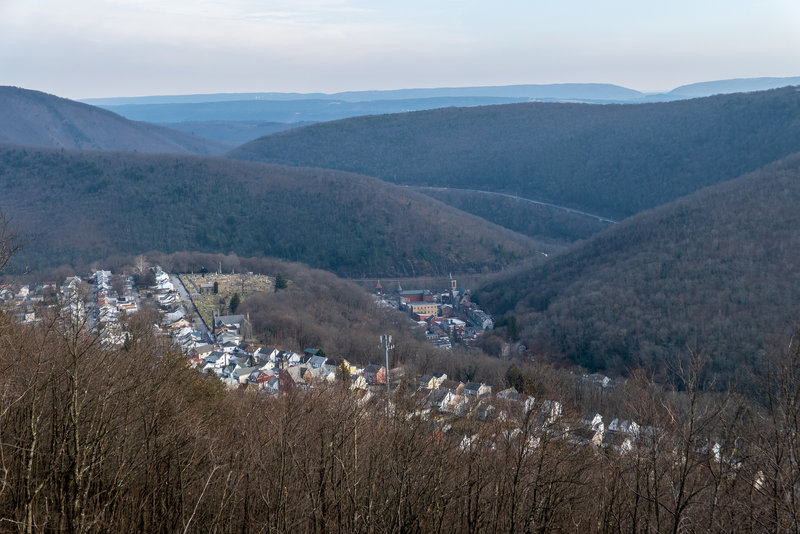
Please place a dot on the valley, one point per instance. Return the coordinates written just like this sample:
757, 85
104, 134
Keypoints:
345, 266
558, 213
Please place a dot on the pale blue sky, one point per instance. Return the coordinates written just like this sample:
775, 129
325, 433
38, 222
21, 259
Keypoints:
96, 48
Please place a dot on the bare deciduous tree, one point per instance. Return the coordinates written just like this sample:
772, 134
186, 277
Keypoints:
9, 241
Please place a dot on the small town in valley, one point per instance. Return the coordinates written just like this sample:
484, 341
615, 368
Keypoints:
448, 316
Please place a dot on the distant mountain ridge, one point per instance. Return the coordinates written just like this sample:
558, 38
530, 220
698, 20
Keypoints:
590, 92
33, 118
321, 107
594, 91
220, 112
739, 85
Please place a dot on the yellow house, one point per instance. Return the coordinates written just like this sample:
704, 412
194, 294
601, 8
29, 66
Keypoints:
424, 308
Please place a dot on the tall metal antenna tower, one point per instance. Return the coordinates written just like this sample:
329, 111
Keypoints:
387, 345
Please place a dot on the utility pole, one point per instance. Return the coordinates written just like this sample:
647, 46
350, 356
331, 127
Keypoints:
386, 344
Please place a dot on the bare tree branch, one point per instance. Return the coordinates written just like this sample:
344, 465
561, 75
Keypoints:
9, 241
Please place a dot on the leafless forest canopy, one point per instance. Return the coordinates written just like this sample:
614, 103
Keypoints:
94, 439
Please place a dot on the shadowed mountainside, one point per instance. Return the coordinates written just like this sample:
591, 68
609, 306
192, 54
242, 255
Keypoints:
75, 206
613, 160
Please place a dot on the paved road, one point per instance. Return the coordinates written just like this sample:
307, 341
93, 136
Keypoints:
516, 197
198, 323
179, 286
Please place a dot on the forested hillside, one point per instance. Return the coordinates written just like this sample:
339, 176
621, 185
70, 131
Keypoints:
79, 206
38, 119
615, 160
717, 272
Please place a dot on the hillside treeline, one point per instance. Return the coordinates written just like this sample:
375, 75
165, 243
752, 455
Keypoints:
614, 160
82, 206
133, 440
716, 272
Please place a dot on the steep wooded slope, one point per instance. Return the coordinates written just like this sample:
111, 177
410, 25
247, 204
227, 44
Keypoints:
615, 160
77, 206
33, 118
717, 271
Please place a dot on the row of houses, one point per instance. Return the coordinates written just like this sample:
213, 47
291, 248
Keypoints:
109, 304
273, 370
94, 300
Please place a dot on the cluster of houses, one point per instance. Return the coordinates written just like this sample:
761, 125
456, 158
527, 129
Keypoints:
266, 369
97, 302
108, 304
270, 370
273, 371
101, 300
439, 395
451, 396
448, 317
21, 300
164, 290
